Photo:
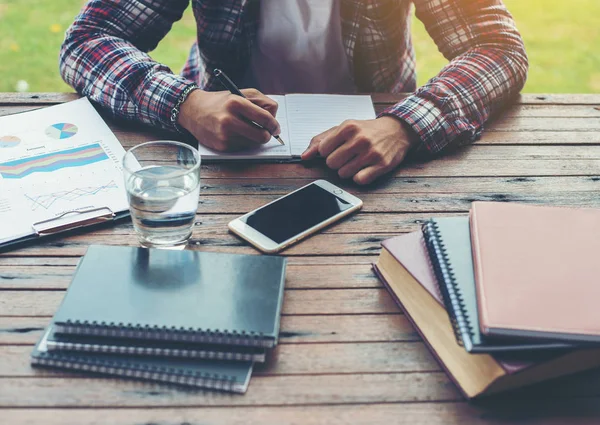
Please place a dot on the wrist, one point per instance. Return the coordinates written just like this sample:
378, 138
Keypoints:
403, 129
180, 112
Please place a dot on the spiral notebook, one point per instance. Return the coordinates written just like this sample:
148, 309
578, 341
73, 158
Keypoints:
209, 374
191, 296
140, 347
448, 242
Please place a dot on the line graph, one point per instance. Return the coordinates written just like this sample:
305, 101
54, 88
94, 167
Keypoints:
47, 200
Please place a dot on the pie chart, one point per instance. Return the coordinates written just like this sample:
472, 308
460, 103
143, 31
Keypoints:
61, 130
9, 141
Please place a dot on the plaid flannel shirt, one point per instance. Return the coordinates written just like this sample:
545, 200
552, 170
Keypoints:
104, 57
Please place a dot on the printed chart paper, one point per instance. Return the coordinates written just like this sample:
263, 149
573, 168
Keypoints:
57, 163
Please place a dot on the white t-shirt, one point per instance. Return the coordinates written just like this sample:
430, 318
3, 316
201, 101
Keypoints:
299, 49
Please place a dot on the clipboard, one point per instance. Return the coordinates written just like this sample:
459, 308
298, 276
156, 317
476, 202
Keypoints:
66, 223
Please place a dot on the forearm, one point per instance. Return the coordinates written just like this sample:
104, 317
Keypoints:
99, 60
488, 67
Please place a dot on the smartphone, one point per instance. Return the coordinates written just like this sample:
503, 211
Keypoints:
294, 216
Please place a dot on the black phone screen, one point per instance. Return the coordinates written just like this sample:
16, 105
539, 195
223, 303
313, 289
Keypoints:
293, 214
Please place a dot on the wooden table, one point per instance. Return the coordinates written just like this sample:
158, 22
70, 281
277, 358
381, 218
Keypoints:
347, 354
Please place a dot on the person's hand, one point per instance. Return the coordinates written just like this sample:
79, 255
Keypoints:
222, 121
363, 150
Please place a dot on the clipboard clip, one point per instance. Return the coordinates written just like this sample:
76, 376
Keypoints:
72, 220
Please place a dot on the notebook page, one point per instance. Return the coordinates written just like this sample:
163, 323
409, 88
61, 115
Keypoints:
311, 114
273, 149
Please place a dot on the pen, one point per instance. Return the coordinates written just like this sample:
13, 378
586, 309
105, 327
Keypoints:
230, 85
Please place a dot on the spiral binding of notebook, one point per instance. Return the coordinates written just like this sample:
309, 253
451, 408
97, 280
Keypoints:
129, 347
446, 281
216, 382
209, 374
129, 330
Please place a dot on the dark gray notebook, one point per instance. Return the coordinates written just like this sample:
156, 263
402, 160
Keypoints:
448, 242
210, 374
141, 347
191, 296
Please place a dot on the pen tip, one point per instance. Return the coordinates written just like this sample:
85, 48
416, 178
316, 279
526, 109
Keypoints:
280, 140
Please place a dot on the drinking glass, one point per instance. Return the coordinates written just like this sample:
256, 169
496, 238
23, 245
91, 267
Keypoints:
162, 180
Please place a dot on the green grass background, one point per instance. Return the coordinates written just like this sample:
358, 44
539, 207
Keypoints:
562, 39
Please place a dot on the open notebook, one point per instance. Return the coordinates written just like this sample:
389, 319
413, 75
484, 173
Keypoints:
301, 117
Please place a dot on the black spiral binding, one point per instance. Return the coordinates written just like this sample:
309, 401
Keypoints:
164, 333
446, 281
154, 351
143, 372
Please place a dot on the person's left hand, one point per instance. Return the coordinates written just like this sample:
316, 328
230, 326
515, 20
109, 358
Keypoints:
363, 150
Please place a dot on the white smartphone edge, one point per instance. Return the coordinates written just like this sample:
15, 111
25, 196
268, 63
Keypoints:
268, 245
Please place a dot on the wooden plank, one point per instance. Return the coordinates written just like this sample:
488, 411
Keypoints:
16, 261
422, 185
272, 391
524, 99
583, 411
298, 277
294, 329
77, 390
524, 123
447, 167
406, 202
314, 301
286, 359
320, 244
541, 137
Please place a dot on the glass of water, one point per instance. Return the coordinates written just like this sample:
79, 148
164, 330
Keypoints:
162, 179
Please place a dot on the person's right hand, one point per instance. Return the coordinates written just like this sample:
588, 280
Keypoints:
221, 120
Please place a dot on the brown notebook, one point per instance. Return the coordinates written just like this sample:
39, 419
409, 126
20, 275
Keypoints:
537, 271
404, 268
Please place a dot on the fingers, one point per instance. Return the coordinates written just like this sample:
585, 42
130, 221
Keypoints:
261, 100
353, 166
243, 108
337, 137
369, 174
246, 130
313, 148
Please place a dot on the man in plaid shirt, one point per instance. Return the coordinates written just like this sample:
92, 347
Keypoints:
342, 46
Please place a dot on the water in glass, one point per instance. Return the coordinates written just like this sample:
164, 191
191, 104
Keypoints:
163, 204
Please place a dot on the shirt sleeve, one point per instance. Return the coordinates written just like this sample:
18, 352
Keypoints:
105, 57
488, 67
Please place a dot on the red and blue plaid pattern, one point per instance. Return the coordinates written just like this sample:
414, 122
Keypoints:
105, 57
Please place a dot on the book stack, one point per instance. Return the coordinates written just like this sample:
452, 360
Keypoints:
504, 298
186, 317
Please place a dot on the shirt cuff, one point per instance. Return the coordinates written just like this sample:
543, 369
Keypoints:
161, 95
431, 125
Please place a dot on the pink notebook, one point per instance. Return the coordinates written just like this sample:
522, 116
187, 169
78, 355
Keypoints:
537, 271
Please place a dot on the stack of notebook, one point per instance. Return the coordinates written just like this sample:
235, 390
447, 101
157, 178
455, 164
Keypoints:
505, 297
186, 317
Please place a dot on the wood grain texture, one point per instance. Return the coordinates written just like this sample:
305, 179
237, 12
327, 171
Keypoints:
537, 412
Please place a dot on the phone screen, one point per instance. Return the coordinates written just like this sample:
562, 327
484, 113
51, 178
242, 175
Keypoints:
296, 213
